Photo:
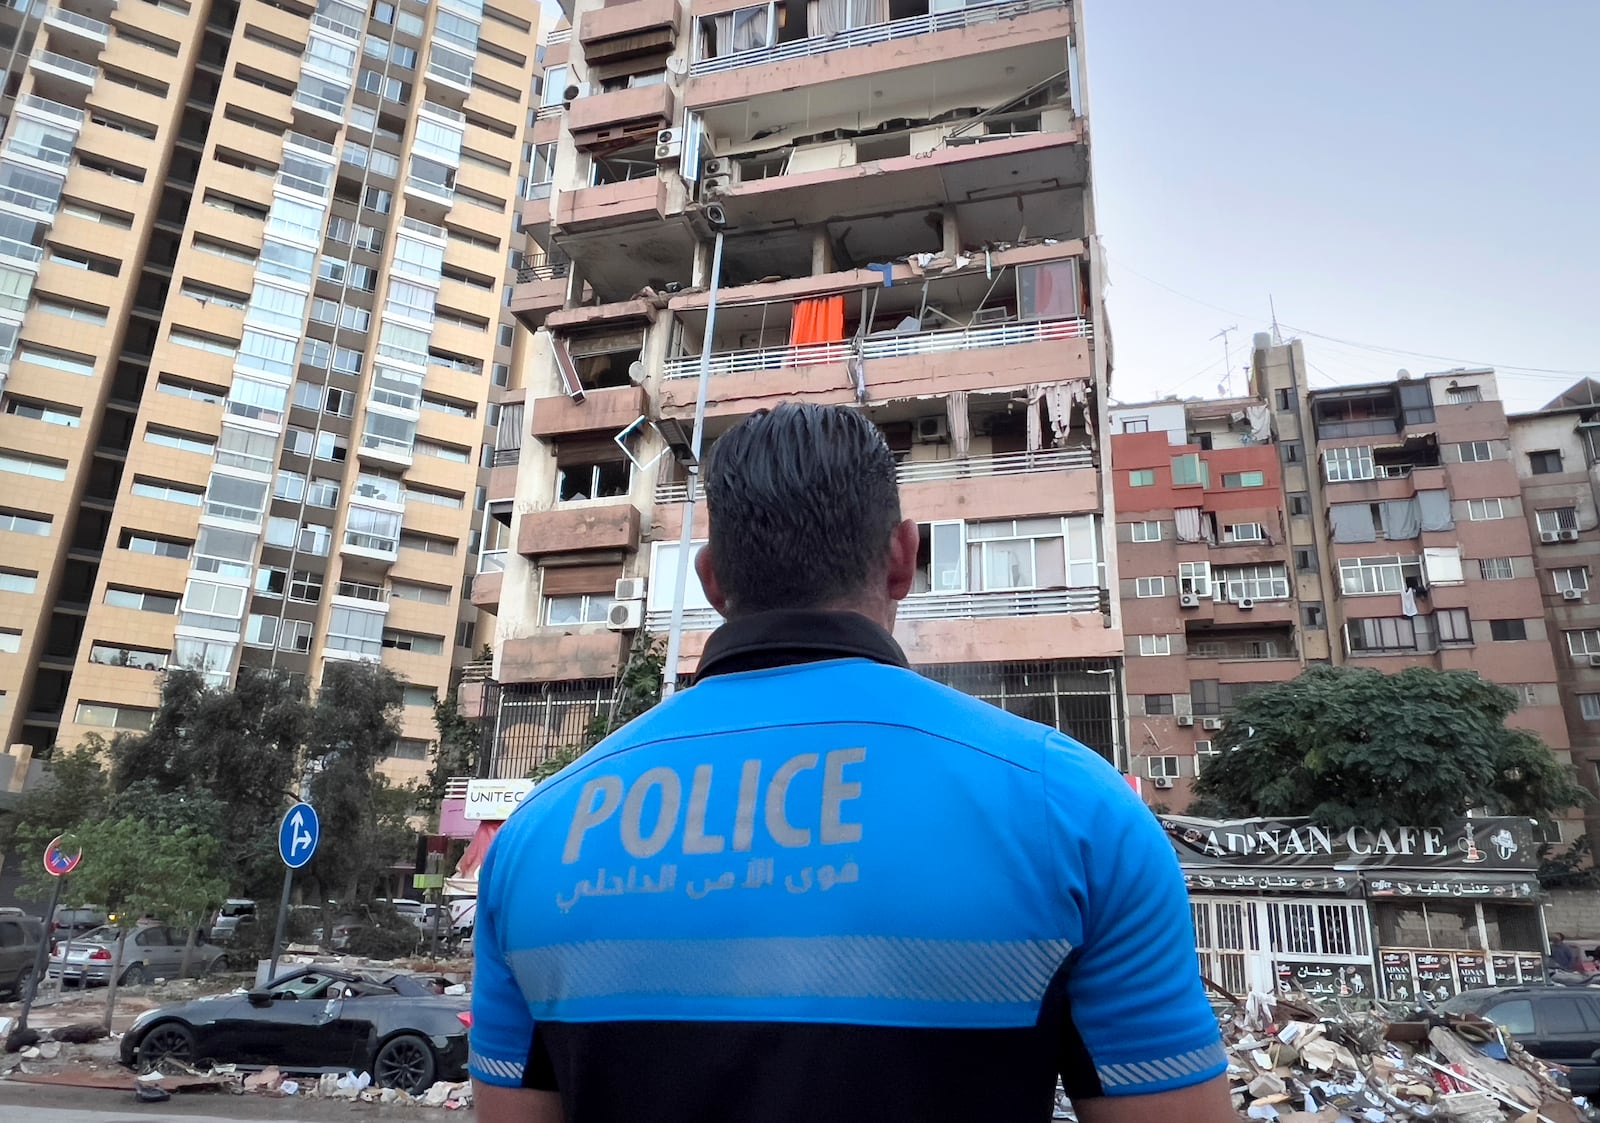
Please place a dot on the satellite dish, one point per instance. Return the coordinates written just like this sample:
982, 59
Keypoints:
677, 65
636, 372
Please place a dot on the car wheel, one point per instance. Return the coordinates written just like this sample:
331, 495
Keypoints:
404, 1062
20, 986
165, 1045
133, 976
215, 967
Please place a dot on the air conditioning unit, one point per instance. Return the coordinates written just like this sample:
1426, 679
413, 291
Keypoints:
1594, 660
630, 588
625, 616
1211, 723
1188, 600
1549, 536
1571, 594
1245, 603
669, 145
575, 91
932, 430
985, 316
719, 165
1162, 782
713, 185
1567, 535
1184, 720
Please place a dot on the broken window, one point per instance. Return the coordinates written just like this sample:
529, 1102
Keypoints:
605, 360
604, 480
623, 165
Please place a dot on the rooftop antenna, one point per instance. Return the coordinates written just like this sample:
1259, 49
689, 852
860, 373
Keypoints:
1277, 336
1227, 358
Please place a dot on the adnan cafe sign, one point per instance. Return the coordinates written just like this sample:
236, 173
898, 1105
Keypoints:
1488, 857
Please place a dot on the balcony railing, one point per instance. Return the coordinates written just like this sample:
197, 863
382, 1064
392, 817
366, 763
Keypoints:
360, 590
889, 346
67, 65
973, 467
877, 33
940, 606
546, 270
93, 27
54, 108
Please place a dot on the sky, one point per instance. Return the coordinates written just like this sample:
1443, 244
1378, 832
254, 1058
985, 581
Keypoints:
1417, 181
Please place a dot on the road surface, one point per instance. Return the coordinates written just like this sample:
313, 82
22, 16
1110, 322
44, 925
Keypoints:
36, 1103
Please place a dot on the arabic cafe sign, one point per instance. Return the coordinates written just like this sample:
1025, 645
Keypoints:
494, 800
1481, 844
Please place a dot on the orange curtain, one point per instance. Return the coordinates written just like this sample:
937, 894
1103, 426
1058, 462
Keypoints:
819, 320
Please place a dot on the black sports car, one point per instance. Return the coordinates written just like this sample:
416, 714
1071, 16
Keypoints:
398, 1027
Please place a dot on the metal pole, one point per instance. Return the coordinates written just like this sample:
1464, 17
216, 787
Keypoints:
283, 924
41, 958
669, 682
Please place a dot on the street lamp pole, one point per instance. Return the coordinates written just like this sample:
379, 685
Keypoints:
669, 680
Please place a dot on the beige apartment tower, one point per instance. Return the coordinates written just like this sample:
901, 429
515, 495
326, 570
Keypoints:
253, 330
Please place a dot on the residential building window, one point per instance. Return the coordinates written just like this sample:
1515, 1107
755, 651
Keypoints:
1291, 452
607, 480
422, 594
18, 581
1136, 425
1583, 642
410, 748
1340, 464
1155, 645
65, 416
132, 718
1190, 471
427, 543
19, 522
1462, 395
169, 493
1305, 559
1589, 706
578, 608
1150, 587
355, 631
331, 446
10, 641
20, 464
1390, 574
322, 492
1042, 553
271, 581
1485, 510
1194, 579
1244, 532
1453, 625
1381, 634
1557, 519
413, 641
1156, 705
305, 586
1299, 503
1284, 399
1244, 479
1149, 531
139, 659
1529, 692
1508, 630
1161, 767
1312, 616
164, 604
294, 635
1472, 452
1574, 578
289, 485
420, 696
1253, 582
1495, 569
1545, 463
261, 631
1204, 751
1142, 477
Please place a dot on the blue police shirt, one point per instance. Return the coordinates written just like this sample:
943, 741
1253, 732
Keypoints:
829, 888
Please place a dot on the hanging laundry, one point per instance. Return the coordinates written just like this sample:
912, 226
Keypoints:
1408, 602
884, 270
960, 423
1187, 521
1035, 423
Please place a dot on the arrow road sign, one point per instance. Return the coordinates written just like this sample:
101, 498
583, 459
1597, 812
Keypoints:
62, 856
297, 835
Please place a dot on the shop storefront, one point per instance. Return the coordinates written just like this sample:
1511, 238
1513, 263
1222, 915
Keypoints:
1285, 904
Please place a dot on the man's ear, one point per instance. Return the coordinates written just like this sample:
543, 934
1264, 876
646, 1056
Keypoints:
708, 580
901, 570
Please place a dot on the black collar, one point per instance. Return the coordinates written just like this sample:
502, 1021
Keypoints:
766, 640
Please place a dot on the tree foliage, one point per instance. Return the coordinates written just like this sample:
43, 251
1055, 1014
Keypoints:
1349, 746
638, 689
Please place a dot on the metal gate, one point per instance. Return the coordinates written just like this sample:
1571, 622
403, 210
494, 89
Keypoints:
1227, 934
1255, 944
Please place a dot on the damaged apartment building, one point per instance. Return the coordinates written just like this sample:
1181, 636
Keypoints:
1389, 525
901, 194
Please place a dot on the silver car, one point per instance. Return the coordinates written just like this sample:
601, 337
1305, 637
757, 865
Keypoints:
152, 951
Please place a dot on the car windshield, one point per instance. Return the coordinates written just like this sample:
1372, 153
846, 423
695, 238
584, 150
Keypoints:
105, 934
316, 984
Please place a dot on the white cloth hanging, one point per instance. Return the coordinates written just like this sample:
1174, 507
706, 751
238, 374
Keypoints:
1187, 521
1408, 602
955, 404
1035, 422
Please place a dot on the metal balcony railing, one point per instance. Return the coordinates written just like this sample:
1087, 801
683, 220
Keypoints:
972, 467
876, 33
544, 270
69, 65
54, 108
360, 590
940, 606
888, 346
94, 27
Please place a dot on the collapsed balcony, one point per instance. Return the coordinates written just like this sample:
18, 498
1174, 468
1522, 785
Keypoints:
876, 343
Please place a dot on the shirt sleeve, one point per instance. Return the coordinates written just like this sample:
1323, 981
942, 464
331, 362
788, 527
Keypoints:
1137, 1020
502, 1028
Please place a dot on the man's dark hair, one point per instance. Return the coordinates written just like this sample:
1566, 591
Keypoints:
803, 501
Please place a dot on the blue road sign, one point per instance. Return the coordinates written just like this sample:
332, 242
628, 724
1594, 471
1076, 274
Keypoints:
297, 835
62, 856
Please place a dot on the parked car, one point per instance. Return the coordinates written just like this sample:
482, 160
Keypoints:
1560, 1024
463, 916
75, 922
20, 937
235, 913
152, 951
396, 1026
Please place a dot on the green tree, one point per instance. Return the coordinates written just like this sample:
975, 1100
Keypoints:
75, 790
354, 725
1349, 746
456, 752
240, 746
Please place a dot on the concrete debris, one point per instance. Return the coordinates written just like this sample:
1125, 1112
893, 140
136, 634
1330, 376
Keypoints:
1292, 1059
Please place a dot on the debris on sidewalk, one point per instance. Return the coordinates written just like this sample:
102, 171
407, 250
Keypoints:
1295, 1059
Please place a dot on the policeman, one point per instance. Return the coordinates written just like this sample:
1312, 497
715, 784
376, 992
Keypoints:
818, 886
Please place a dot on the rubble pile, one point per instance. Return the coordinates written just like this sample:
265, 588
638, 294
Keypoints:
1294, 1060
